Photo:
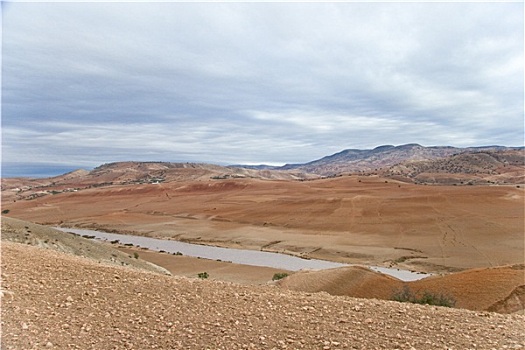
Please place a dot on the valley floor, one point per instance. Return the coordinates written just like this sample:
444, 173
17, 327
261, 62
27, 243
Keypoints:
353, 219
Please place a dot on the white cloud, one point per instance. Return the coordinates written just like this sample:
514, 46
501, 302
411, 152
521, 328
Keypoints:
259, 82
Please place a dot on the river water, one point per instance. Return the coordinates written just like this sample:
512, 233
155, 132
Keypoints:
238, 256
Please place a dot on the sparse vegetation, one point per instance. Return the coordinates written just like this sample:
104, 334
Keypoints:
404, 258
279, 276
203, 275
5, 211
428, 298
136, 255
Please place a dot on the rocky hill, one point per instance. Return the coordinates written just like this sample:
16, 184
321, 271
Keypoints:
480, 167
408, 163
356, 160
135, 173
54, 300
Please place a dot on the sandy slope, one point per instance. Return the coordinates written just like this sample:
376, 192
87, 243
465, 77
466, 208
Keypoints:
475, 289
53, 300
358, 282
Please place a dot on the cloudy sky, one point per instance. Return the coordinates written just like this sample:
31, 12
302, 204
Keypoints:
228, 83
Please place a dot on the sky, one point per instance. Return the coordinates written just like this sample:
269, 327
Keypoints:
88, 83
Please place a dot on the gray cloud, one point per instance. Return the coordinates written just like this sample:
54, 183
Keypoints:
87, 83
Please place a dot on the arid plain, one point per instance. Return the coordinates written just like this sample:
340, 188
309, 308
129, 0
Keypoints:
353, 219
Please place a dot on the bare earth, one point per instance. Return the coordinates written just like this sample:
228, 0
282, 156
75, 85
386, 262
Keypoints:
355, 219
497, 289
54, 300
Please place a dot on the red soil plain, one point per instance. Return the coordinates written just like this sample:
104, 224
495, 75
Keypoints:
366, 220
351, 219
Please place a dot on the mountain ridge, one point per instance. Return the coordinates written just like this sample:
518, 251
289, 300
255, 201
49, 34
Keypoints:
399, 161
357, 160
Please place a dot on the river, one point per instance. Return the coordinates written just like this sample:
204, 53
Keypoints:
238, 256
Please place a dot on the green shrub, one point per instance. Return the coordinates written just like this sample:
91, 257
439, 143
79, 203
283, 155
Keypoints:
203, 275
279, 276
5, 211
136, 255
428, 298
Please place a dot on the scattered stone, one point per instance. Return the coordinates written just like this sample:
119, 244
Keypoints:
152, 311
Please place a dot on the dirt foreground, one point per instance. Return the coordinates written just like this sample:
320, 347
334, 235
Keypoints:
57, 301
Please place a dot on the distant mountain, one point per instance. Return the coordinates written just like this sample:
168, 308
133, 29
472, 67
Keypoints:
356, 160
409, 163
255, 167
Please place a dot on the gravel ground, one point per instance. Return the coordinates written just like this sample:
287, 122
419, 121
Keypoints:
53, 300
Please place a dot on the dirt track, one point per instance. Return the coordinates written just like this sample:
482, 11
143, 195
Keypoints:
56, 301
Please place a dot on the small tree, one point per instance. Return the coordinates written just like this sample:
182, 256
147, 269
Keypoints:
279, 276
406, 295
203, 275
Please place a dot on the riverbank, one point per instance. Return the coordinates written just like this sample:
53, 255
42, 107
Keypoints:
180, 265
